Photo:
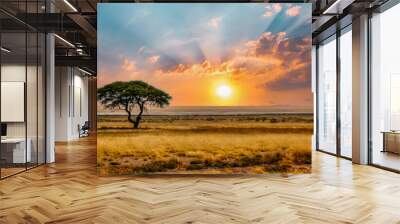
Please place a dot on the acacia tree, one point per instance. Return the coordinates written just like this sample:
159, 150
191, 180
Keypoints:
129, 95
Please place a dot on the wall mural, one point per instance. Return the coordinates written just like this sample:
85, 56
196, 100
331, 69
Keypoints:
204, 88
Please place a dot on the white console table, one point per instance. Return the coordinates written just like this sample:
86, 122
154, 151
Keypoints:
18, 150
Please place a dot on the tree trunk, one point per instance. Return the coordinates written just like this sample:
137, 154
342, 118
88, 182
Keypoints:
130, 116
138, 117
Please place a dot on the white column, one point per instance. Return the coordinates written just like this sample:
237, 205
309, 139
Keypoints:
63, 101
50, 99
360, 90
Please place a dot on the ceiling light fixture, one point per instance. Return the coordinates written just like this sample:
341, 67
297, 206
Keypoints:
70, 5
84, 71
337, 7
5, 50
65, 41
79, 51
329, 9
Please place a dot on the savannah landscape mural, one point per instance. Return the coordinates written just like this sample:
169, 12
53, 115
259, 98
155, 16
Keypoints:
204, 88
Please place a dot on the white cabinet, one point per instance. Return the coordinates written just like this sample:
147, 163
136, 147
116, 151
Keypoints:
19, 155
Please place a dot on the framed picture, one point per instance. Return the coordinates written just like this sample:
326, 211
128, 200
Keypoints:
204, 88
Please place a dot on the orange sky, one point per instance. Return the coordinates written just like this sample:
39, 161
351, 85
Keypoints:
257, 76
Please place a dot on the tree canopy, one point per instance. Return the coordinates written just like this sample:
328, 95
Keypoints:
128, 95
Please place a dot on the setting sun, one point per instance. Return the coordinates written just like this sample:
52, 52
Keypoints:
224, 91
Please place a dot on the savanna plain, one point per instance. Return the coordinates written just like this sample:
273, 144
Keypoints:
204, 144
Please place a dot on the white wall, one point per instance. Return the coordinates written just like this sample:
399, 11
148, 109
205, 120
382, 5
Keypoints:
71, 102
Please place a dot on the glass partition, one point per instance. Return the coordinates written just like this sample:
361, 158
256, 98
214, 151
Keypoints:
327, 95
385, 89
22, 98
13, 92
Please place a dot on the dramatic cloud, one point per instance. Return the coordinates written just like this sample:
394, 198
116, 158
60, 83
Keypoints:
267, 61
281, 63
299, 78
255, 65
293, 11
267, 43
273, 61
280, 46
286, 62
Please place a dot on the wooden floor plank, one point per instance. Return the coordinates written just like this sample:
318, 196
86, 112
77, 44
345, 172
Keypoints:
70, 191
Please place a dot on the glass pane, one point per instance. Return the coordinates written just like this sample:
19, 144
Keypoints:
41, 98
23, 90
31, 98
346, 94
327, 96
385, 114
13, 86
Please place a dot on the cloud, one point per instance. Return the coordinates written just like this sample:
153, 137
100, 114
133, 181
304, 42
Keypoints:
255, 65
205, 68
153, 59
128, 71
293, 11
279, 46
273, 61
281, 63
277, 7
267, 43
128, 65
272, 9
181, 51
289, 60
215, 22
298, 78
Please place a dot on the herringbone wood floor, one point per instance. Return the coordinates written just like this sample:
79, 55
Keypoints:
69, 191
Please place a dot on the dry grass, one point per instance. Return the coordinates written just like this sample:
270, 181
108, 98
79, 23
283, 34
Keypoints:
212, 144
